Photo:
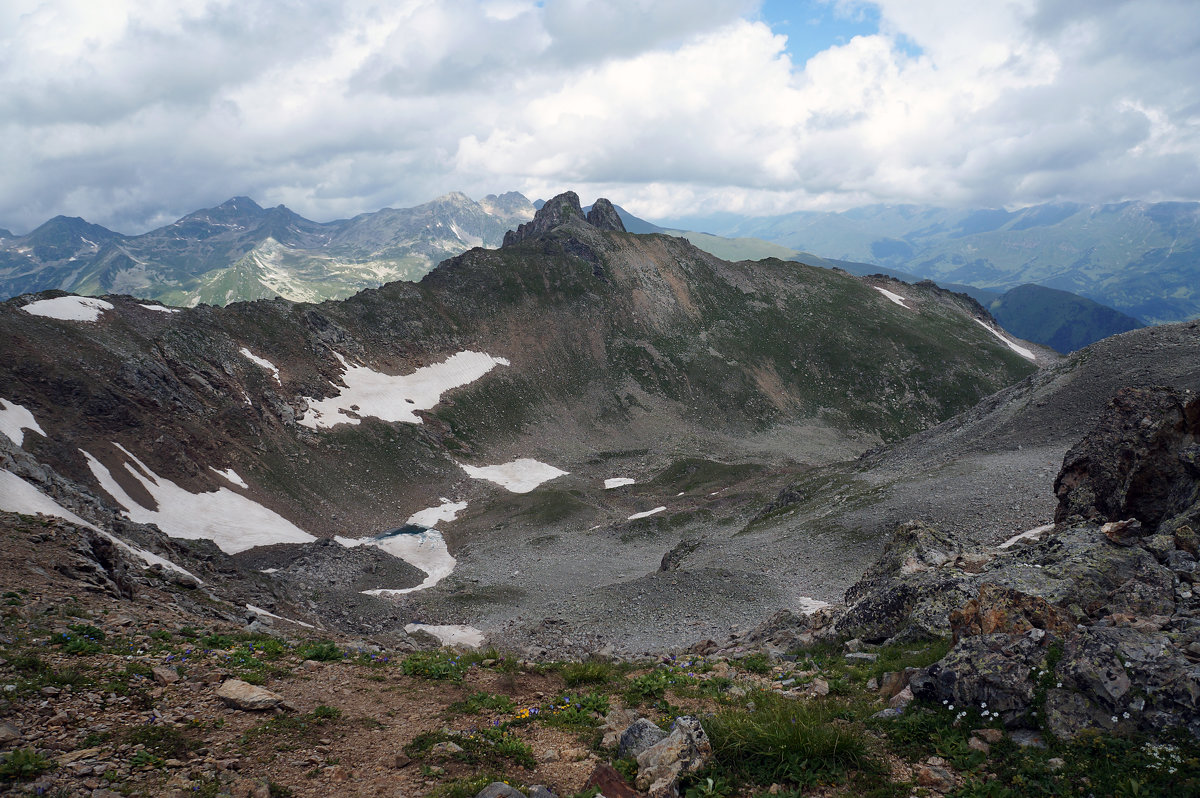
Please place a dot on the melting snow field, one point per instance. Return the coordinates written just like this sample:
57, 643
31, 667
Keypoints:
160, 308
394, 397
646, 514
229, 519
14, 420
18, 496
808, 605
618, 482
1032, 534
899, 300
519, 476
269, 614
268, 365
450, 635
1020, 350
232, 476
69, 308
426, 550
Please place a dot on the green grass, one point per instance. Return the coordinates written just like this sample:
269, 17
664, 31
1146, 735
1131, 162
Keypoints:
479, 702
323, 651
23, 764
488, 747
591, 672
787, 741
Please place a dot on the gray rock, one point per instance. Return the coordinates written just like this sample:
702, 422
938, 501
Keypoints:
988, 671
685, 750
603, 216
498, 789
539, 791
9, 733
642, 734
245, 696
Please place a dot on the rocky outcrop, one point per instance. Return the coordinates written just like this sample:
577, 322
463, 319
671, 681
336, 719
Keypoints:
1100, 619
564, 209
603, 216
1142, 461
685, 750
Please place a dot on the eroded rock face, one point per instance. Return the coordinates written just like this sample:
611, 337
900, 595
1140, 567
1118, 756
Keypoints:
685, 750
556, 212
1139, 462
1101, 616
603, 216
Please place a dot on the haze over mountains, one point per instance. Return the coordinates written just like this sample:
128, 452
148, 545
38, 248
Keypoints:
1141, 258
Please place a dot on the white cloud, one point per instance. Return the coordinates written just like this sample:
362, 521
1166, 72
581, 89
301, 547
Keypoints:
133, 114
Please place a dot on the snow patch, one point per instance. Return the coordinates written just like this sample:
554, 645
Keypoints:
18, 496
450, 635
268, 614
231, 475
446, 511
1020, 350
1032, 534
229, 519
808, 605
519, 476
395, 397
69, 308
646, 514
268, 365
899, 300
14, 419
426, 549
160, 308
618, 482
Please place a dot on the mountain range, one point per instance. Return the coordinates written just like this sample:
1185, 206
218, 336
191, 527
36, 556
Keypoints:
239, 251
767, 488
1140, 258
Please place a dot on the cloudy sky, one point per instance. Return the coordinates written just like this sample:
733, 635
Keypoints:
132, 113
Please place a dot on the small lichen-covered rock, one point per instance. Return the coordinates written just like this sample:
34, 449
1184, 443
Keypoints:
245, 696
640, 735
685, 750
498, 789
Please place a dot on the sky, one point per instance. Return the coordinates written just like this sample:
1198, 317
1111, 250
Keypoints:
132, 114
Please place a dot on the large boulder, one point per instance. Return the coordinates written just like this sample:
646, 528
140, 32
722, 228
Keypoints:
1141, 461
685, 750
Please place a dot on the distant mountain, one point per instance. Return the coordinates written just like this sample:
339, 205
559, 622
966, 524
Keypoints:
239, 250
1058, 319
1140, 258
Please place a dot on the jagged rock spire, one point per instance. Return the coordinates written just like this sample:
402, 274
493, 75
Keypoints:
565, 209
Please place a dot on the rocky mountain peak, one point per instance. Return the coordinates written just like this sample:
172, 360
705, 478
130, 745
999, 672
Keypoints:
565, 209
603, 216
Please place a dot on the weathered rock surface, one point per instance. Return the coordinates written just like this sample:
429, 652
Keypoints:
685, 750
245, 696
640, 735
1102, 613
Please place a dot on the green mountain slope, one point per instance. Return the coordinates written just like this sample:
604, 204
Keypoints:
1140, 258
1058, 319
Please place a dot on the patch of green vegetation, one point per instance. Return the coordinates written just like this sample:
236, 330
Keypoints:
323, 651
23, 764
438, 664
575, 710
165, 740
798, 743
653, 685
479, 702
692, 473
755, 663
488, 747
589, 672
473, 785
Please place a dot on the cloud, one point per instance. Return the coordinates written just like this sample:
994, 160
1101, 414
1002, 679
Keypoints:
132, 114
